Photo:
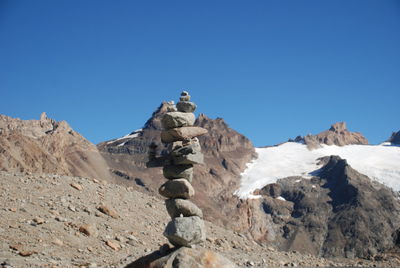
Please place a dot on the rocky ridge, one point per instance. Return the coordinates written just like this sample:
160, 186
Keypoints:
338, 134
48, 146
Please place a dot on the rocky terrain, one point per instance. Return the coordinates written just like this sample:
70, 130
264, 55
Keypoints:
338, 134
338, 212
47, 146
61, 221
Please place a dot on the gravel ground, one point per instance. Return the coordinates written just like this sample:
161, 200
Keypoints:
60, 221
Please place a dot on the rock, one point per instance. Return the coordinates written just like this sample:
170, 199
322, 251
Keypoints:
108, 211
177, 207
178, 172
187, 155
336, 135
177, 119
184, 96
89, 230
77, 186
395, 138
179, 188
113, 244
185, 231
57, 242
39, 220
182, 134
186, 106
193, 158
184, 258
273, 189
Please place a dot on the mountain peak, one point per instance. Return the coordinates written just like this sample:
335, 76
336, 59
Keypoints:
338, 127
337, 134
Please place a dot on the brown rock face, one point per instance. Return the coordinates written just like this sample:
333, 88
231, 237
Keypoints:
226, 153
336, 135
47, 146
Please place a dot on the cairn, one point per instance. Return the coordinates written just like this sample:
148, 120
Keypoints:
186, 227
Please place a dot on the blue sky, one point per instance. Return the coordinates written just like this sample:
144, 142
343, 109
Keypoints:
271, 69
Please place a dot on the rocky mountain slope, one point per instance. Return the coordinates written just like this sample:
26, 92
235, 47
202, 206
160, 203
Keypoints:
337, 212
226, 153
47, 146
62, 221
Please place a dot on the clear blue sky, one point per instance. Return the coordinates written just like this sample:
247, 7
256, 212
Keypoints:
271, 69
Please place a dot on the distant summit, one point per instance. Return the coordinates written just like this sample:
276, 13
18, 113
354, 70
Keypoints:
395, 138
337, 134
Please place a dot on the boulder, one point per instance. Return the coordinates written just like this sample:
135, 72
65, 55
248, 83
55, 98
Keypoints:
186, 106
179, 188
177, 119
183, 257
181, 134
186, 208
178, 172
185, 231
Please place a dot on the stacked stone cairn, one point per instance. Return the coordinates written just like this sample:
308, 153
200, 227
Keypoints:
186, 227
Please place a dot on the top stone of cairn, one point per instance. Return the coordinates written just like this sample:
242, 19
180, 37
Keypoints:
184, 96
184, 105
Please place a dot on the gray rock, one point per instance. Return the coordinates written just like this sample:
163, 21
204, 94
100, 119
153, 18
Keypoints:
178, 172
182, 134
179, 188
177, 119
176, 207
189, 154
186, 106
185, 231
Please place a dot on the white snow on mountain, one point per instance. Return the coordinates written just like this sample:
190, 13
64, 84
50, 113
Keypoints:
128, 136
378, 162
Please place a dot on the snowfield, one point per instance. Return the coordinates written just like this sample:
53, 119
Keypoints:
378, 162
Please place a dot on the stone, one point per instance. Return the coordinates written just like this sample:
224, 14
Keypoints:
186, 208
182, 134
178, 172
108, 211
77, 186
184, 258
185, 231
184, 96
177, 119
113, 244
186, 106
273, 189
189, 154
89, 230
179, 188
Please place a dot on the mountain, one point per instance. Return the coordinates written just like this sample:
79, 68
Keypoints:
48, 146
395, 138
316, 203
338, 134
226, 153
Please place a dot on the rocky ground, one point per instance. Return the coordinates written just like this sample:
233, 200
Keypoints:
61, 221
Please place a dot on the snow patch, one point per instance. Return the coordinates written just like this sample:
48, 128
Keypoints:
128, 136
378, 162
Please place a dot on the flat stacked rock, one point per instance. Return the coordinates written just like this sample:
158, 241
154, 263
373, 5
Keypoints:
186, 227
